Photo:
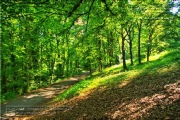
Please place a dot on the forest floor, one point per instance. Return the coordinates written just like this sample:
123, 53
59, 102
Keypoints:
38, 97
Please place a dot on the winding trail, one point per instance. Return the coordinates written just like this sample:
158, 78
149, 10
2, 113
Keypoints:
40, 96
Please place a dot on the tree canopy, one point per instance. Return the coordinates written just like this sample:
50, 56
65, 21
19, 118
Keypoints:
46, 40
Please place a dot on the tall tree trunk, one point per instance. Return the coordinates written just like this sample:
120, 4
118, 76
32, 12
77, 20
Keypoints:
148, 53
130, 51
112, 45
130, 33
59, 69
139, 40
89, 64
149, 44
123, 52
52, 64
68, 56
110, 49
99, 56
26, 66
119, 47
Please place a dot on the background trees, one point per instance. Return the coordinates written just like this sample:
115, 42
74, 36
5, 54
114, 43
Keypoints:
47, 40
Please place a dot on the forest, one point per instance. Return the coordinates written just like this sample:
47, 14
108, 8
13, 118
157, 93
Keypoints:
45, 41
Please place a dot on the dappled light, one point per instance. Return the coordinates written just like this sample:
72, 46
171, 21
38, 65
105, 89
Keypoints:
138, 108
124, 83
90, 60
158, 56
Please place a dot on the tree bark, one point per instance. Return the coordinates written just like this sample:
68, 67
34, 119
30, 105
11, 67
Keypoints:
123, 52
139, 40
149, 44
130, 52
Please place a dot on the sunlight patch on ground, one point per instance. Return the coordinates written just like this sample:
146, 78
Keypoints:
31, 96
112, 68
109, 69
157, 56
124, 84
165, 70
99, 81
73, 78
84, 95
133, 73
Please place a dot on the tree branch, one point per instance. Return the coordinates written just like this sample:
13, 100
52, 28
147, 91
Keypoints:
75, 8
107, 7
88, 15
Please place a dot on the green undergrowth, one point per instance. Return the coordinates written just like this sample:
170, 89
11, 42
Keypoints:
113, 75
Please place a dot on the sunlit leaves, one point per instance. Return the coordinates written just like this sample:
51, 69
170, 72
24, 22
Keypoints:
77, 34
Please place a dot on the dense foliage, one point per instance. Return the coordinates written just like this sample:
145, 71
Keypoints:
46, 40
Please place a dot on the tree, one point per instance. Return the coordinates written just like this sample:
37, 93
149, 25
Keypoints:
46, 40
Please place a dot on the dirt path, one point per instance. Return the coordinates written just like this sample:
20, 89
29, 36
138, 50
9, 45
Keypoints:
40, 96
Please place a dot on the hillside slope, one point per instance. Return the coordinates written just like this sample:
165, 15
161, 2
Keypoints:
147, 91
